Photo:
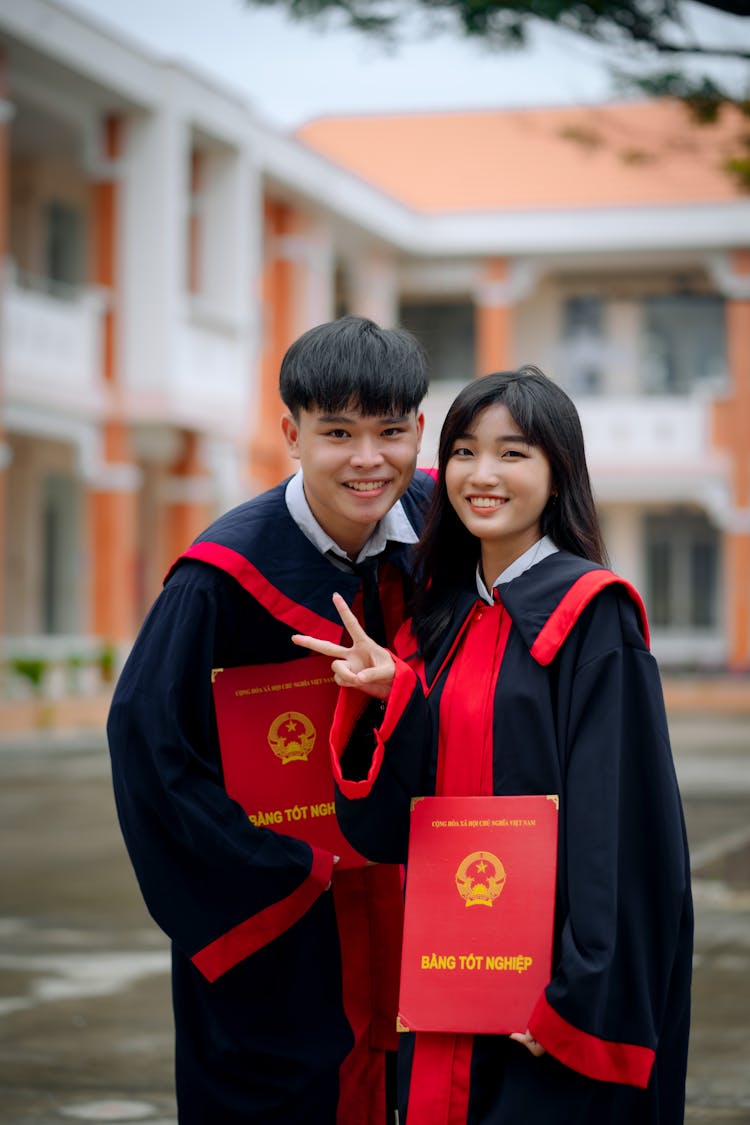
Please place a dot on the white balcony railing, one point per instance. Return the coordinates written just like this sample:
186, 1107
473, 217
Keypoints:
52, 344
653, 450
667, 432
210, 385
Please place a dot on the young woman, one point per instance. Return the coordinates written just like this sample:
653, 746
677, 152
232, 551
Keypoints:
526, 670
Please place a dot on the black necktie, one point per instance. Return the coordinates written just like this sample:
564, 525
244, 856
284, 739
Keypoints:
372, 610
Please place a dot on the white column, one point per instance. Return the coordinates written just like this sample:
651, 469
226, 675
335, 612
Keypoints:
317, 294
624, 350
623, 531
374, 287
154, 215
226, 269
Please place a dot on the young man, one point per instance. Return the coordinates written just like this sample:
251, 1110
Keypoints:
284, 968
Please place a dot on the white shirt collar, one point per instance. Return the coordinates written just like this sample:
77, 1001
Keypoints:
393, 527
538, 551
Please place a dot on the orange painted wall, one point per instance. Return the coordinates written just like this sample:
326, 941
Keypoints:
4, 198
730, 430
112, 538
112, 523
197, 178
737, 571
104, 219
493, 319
185, 518
269, 462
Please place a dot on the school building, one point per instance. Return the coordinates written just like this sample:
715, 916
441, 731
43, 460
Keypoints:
161, 246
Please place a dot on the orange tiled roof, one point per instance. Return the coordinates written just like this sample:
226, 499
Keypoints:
629, 154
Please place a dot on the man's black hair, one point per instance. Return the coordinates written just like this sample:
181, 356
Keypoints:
352, 363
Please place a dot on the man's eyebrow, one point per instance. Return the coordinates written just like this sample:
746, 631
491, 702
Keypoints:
349, 418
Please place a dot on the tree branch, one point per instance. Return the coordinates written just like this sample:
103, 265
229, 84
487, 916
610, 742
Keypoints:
732, 7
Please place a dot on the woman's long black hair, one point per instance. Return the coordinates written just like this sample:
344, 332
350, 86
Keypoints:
447, 553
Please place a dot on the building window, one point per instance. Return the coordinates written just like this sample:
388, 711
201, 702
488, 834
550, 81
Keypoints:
703, 562
195, 221
583, 344
341, 291
685, 342
63, 244
59, 567
446, 329
682, 571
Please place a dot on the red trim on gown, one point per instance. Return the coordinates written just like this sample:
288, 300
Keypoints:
560, 622
297, 617
441, 1069
255, 932
597, 1058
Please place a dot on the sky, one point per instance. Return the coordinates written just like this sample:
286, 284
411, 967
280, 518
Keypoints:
292, 72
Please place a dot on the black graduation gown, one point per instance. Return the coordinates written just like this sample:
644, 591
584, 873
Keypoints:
577, 710
272, 974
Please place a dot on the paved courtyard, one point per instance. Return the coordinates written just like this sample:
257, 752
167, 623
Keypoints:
85, 1023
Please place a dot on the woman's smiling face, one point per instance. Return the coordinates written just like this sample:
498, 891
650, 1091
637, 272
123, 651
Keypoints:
499, 486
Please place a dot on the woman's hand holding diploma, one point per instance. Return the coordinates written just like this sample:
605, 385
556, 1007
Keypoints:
529, 1042
365, 665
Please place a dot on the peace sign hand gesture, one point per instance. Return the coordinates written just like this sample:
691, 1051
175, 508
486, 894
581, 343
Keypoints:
365, 665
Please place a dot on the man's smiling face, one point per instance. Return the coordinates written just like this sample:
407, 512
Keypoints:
355, 467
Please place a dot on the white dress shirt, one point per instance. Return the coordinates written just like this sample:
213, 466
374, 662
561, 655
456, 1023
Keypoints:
538, 551
394, 527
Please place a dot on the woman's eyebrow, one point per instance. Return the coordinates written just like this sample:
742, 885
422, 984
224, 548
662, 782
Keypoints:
500, 438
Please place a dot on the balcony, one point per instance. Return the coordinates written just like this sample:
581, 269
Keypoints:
652, 449
52, 344
210, 387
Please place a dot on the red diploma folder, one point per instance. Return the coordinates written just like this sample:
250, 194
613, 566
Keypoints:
274, 721
480, 900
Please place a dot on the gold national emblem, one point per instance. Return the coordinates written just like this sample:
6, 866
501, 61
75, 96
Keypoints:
480, 879
291, 736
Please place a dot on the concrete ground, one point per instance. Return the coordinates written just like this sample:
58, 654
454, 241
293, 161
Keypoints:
85, 1022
